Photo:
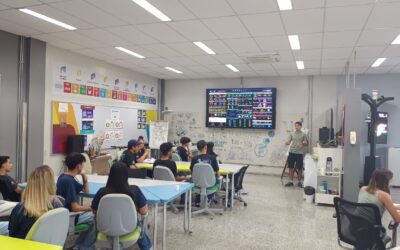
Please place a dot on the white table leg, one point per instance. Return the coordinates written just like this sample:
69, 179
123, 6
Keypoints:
226, 190
190, 210
155, 226
164, 227
233, 190
185, 214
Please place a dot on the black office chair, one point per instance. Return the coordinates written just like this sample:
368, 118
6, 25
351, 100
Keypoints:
359, 225
140, 173
238, 185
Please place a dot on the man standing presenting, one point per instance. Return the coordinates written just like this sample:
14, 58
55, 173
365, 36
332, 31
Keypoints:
296, 151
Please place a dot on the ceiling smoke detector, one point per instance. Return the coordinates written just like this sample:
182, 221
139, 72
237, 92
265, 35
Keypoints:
262, 59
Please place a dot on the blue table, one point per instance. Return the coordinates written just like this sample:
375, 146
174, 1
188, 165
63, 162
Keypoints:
168, 193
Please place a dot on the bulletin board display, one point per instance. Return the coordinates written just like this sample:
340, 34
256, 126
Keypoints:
116, 125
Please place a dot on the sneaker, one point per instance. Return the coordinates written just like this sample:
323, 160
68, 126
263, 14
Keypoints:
289, 184
300, 185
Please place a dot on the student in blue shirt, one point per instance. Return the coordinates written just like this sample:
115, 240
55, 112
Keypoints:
130, 155
38, 197
69, 188
117, 183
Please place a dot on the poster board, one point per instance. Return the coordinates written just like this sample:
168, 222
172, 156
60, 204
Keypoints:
158, 133
116, 124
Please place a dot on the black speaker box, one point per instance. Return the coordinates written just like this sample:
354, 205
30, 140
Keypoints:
75, 143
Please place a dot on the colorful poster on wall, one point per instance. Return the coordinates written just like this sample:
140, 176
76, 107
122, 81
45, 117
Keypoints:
64, 124
71, 79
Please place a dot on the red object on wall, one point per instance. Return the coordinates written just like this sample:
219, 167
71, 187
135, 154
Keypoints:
96, 91
60, 136
67, 87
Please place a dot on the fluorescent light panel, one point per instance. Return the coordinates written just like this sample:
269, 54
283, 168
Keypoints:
174, 70
231, 67
300, 64
285, 4
378, 62
294, 42
47, 19
204, 47
153, 10
130, 52
396, 40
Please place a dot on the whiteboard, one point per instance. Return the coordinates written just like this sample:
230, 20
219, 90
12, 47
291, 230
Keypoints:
158, 134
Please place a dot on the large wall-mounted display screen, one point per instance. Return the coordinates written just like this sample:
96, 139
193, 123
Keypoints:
241, 108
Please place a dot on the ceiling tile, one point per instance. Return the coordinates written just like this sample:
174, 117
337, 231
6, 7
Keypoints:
271, 24
346, 18
340, 39
253, 6
270, 72
379, 70
310, 64
93, 53
208, 8
184, 61
4, 7
75, 37
285, 65
369, 51
333, 3
378, 37
161, 32
273, 43
309, 72
205, 60
333, 63
248, 74
188, 49
104, 36
304, 55
50, 1
55, 41
161, 50
243, 45
162, 62
18, 29
132, 35
199, 69
141, 63
61, 16
88, 13
227, 27
385, 15
391, 61
287, 72
193, 30
303, 21
331, 71
219, 68
336, 53
309, 4
229, 59
20, 3
285, 56
262, 67
218, 47
392, 51
310, 41
173, 9
363, 62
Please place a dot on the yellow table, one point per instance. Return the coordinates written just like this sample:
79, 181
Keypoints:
182, 167
9, 243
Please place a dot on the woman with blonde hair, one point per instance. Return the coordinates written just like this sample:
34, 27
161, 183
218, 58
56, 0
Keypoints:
38, 197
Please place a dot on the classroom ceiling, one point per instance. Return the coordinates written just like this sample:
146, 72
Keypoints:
329, 32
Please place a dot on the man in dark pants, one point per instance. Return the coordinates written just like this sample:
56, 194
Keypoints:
297, 141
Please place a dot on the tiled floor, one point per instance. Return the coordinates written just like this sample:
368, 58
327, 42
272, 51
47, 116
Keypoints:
275, 218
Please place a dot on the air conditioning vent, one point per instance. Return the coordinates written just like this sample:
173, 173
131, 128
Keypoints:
263, 59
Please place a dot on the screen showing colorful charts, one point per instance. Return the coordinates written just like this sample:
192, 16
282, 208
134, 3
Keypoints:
241, 108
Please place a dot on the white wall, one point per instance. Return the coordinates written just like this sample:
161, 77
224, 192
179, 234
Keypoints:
55, 56
293, 99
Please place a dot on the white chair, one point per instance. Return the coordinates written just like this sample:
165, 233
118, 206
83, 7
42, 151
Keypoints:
203, 177
165, 174
87, 165
117, 222
175, 157
51, 227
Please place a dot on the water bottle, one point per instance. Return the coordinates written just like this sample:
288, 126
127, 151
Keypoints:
329, 166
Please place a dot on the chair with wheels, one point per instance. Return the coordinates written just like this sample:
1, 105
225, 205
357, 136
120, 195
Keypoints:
51, 227
165, 174
359, 225
239, 185
175, 157
117, 222
203, 177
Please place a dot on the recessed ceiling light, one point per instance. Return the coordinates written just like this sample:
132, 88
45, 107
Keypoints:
153, 10
204, 47
396, 40
300, 64
378, 62
130, 52
47, 19
231, 67
174, 70
294, 42
285, 4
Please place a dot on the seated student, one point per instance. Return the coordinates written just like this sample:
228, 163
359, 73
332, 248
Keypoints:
210, 151
166, 152
69, 188
378, 192
117, 183
143, 153
184, 149
203, 157
129, 156
38, 197
8, 186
